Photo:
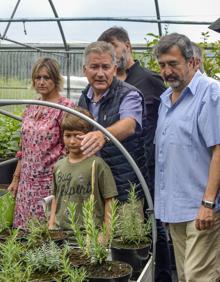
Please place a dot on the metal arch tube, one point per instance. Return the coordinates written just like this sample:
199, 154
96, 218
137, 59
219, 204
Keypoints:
5, 102
6, 113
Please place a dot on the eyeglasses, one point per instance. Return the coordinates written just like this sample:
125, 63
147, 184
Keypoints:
44, 77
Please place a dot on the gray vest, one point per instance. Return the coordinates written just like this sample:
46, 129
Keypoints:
108, 115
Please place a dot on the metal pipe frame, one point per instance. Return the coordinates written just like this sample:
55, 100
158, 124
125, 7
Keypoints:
12, 15
6, 102
158, 16
119, 19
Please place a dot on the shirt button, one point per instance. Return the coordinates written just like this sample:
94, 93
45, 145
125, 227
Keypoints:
164, 132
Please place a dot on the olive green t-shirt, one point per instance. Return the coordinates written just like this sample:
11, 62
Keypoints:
72, 183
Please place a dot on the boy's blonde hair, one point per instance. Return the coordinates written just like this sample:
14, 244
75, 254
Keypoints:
72, 122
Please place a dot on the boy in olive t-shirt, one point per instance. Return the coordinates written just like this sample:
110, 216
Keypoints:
72, 177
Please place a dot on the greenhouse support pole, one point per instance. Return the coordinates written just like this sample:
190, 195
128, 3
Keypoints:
12, 16
158, 16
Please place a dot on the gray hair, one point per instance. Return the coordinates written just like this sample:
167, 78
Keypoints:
198, 56
100, 47
174, 39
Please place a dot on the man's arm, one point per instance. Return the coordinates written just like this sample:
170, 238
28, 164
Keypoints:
92, 142
206, 216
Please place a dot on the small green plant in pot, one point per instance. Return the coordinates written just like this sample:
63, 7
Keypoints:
68, 272
36, 233
94, 241
133, 240
11, 266
44, 261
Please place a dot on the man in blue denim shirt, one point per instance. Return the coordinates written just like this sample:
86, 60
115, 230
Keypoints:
187, 178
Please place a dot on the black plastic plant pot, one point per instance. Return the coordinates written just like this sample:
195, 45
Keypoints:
136, 257
7, 171
114, 271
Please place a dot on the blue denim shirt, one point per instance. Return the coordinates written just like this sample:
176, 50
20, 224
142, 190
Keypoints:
185, 133
130, 106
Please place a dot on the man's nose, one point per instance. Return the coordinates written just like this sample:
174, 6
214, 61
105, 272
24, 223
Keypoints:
167, 70
100, 71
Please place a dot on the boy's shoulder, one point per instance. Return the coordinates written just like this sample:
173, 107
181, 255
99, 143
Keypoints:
60, 162
97, 159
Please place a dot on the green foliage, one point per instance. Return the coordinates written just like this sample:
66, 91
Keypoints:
147, 58
37, 232
131, 227
9, 137
211, 54
44, 259
70, 273
11, 267
88, 237
7, 203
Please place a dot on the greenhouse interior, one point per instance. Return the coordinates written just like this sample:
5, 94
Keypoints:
33, 35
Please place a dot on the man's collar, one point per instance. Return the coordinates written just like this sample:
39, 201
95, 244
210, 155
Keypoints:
194, 82
190, 88
136, 63
90, 93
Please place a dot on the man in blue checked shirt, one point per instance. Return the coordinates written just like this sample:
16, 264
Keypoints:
187, 177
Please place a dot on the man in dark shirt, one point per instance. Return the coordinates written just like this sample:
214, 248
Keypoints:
151, 85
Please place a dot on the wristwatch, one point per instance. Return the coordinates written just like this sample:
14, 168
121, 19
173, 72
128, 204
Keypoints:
208, 204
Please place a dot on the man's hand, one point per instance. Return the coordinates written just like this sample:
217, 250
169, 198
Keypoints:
92, 142
205, 218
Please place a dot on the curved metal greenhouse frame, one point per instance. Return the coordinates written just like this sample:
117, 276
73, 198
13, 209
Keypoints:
6, 102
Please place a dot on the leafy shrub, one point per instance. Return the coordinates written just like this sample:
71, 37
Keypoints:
93, 240
211, 54
131, 226
70, 273
44, 259
37, 232
9, 137
87, 236
11, 267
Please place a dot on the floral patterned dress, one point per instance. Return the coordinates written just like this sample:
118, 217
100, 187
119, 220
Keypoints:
42, 146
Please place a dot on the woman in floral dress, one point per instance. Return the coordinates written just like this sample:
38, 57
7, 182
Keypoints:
41, 144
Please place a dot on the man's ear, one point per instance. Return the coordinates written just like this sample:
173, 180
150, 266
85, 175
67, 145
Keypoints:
128, 45
115, 69
84, 69
192, 62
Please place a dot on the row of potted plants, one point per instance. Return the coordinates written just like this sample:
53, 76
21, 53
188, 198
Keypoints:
78, 255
